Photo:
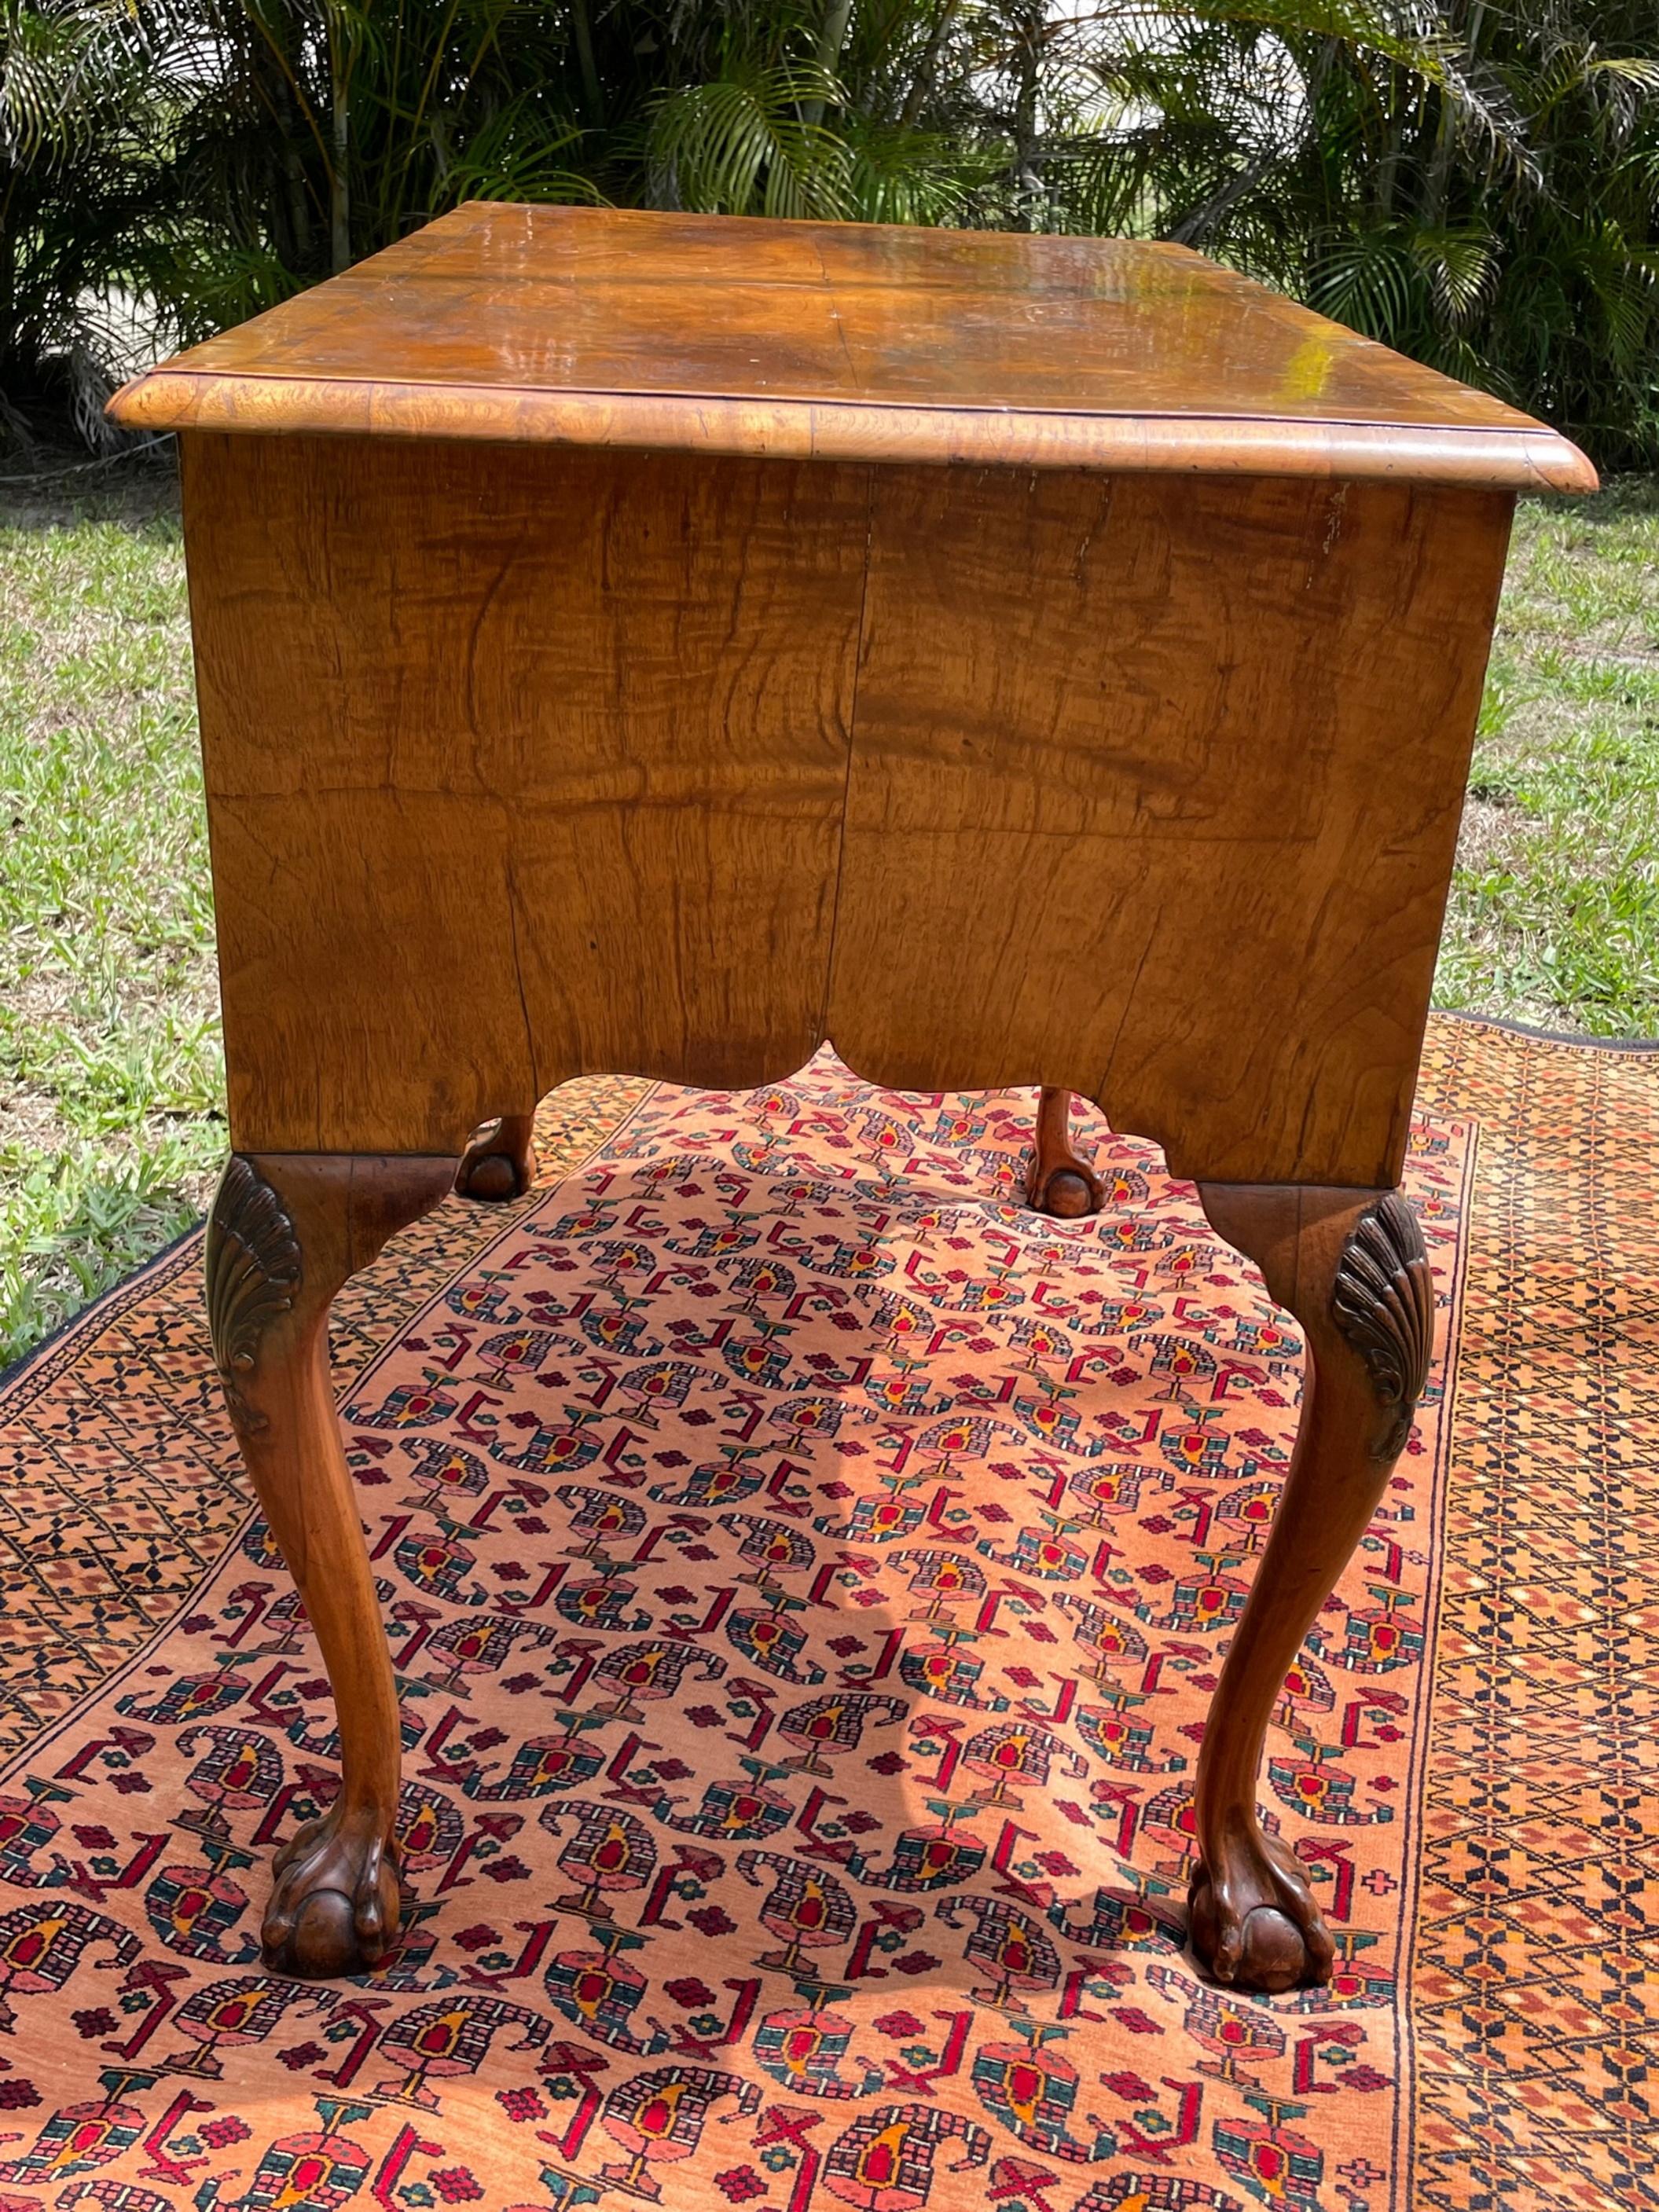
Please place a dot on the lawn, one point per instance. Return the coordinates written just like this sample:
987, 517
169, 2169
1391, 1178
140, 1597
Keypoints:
111, 1081
111, 1114
1554, 913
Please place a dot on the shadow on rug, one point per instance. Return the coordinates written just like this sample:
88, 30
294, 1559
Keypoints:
806, 1572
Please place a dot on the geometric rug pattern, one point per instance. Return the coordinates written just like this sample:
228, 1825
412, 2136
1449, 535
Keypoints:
1535, 1977
806, 1570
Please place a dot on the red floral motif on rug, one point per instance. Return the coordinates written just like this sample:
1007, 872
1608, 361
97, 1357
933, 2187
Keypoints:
807, 1572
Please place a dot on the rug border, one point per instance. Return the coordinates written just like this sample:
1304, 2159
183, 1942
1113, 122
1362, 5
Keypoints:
18, 1369
1633, 1047
1405, 2119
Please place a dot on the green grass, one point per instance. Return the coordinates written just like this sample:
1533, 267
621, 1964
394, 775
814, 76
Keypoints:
111, 1082
1554, 913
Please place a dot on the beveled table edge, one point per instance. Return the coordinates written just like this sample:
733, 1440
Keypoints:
1534, 460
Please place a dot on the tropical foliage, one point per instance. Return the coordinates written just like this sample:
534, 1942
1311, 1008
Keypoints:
1476, 183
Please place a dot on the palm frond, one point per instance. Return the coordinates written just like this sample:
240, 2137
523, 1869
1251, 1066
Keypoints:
739, 143
1477, 185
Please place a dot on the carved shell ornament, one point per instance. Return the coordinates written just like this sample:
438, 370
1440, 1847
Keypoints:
1382, 1301
253, 1269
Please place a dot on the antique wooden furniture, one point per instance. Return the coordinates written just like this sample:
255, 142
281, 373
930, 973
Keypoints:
658, 643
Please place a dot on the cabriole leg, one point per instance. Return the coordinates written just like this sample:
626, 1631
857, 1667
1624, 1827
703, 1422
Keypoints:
1350, 1267
500, 1161
1060, 1183
285, 1232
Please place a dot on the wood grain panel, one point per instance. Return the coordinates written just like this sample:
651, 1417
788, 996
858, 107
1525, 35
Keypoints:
1516, 460
858, 342
519, 764
1155, 793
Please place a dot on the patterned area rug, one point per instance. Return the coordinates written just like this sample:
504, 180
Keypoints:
807, 1572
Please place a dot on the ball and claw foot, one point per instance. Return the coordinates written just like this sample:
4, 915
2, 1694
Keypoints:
1067, 1195
1058, 1182
500, 1162
1253, 1921
335, 1905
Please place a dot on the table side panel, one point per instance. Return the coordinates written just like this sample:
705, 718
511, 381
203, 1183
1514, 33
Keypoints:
519, 764
1155, 795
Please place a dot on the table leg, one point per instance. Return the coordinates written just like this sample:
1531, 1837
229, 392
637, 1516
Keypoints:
285, 1232
500, 1161
1059, 1183
1350, 1267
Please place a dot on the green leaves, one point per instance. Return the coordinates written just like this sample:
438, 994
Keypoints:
519, 152
1414, 287
1370, 280
1478, 186
740, 144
